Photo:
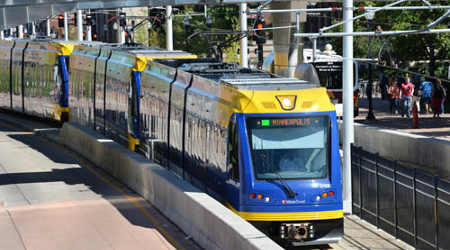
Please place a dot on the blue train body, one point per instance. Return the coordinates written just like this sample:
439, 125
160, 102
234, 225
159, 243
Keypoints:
266, 146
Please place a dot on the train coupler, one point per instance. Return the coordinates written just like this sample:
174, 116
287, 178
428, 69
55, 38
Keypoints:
296, 231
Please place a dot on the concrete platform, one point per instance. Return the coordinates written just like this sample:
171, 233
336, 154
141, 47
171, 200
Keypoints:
394, 137
49, 199
359, 234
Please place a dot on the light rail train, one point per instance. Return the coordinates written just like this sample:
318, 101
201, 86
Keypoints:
266, 146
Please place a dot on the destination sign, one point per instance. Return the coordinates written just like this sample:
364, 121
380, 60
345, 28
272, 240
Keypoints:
327, 67
288, 122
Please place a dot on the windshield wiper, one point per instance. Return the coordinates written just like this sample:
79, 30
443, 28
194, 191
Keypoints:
286, 187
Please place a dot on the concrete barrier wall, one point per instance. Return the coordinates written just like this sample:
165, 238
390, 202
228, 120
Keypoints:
426, 152
212, 225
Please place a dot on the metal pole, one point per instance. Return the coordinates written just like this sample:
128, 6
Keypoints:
336, 9
294, 47
48, 28
347, 80
33, 29
80, 25
362, 15
314, 49
410, 7
169, 30
260, 55
149, 26
20, 32
372, 33
2, 35
244, 40
369, 92
89, 33
121, 31
89, 30
66, 27
122, 34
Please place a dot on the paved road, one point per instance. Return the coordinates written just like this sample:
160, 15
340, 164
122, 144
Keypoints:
52, 199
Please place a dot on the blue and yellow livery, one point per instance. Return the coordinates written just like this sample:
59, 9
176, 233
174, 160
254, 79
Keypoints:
266, 146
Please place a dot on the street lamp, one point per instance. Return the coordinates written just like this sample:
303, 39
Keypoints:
370, 116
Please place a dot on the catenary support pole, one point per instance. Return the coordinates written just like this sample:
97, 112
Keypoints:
48, 28
244, 40
314, 49
66, 27
2, 35
122, 36
33, 29
89, 30
169, 26
89, 33
20, 32
347, 80
80, 25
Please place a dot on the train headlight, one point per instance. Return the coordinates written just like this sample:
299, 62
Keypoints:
260, 196
318, 198
324, 194
267, 199
287, 102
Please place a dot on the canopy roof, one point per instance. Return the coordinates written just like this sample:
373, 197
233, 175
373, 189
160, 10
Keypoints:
15, 12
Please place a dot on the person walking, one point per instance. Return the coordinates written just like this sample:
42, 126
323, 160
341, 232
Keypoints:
437, 96
426, 88
394, 93
407, 90
384, 84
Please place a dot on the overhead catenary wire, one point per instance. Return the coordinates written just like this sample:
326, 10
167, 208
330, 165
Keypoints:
359, 16
369, 9
371, 33
360, 8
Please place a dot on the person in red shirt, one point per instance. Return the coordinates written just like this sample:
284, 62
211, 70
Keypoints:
394, 93
407, 92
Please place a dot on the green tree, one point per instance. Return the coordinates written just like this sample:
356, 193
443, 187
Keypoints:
402, 50
222, 17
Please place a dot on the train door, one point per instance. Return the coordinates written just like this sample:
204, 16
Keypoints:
134, 93
234, 171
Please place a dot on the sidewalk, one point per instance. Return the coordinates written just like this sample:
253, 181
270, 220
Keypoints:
428, 126
359, 234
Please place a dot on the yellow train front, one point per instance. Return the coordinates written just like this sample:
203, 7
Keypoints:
266, 146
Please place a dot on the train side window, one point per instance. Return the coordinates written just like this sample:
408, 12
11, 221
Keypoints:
233, 146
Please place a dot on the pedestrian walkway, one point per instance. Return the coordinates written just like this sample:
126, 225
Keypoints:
50, 198
359, 234
428, 126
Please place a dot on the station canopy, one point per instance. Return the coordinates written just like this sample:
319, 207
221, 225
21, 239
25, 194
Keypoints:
16, 12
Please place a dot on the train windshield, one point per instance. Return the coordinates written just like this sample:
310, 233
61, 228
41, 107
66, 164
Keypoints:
289, 147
